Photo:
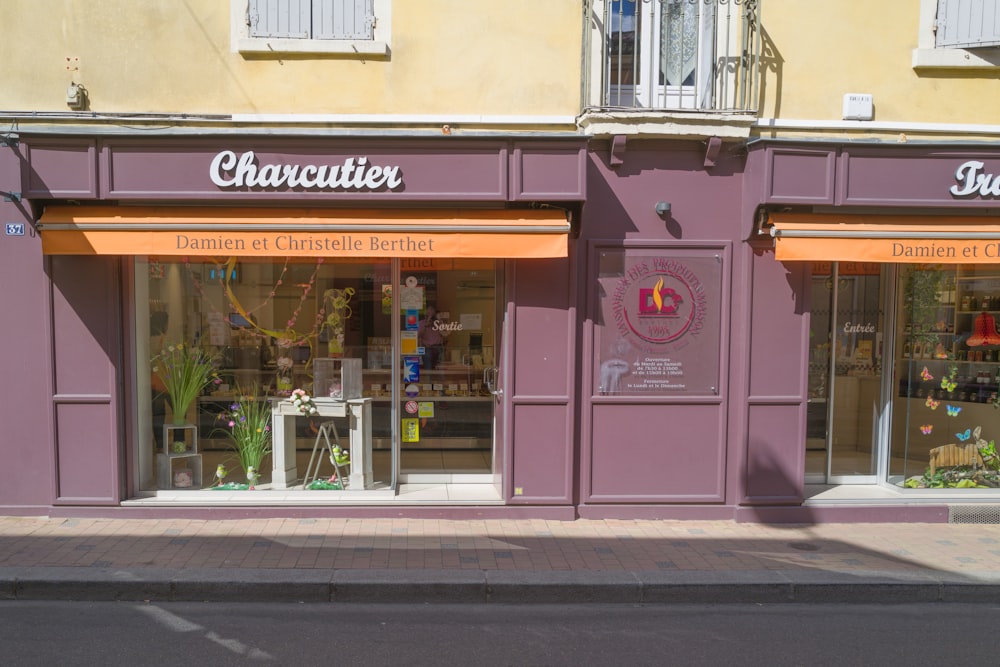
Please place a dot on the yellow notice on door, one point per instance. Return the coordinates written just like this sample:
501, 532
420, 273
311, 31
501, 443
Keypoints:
411, 430
408, 342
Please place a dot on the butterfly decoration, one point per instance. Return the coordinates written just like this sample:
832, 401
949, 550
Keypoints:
964, 436
953, 410
947, 383
932, 403
926, 374
926, 429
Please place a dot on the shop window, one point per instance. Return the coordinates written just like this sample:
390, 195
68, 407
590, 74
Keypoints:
358, 27
271, 327
264, 325
945, 424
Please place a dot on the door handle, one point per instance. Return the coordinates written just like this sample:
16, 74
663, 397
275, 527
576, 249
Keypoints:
491, 380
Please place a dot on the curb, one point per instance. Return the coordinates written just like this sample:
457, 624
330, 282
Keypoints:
492, 586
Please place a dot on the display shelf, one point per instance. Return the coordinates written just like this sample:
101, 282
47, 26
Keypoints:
188, 437
943, 349
178, 466
178, 471
964, 295
458, 381
964, 392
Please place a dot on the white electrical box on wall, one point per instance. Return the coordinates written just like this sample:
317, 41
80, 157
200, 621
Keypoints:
858, 106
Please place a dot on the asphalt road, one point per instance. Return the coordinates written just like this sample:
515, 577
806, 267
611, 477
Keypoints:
127, 633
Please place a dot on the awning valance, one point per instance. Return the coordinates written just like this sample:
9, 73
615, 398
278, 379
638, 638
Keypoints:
885, 238
312, 232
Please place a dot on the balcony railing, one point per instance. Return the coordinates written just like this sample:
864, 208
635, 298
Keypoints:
673, 55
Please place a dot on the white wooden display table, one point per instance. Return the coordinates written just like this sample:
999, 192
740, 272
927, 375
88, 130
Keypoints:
285, 472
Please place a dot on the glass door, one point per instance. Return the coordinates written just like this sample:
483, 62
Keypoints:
449, 342
845, 373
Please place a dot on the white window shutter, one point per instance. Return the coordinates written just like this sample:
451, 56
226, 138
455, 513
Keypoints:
343, 19
279, 18
968, 24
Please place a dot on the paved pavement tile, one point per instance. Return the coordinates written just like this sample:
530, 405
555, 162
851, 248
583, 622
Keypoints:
641, 560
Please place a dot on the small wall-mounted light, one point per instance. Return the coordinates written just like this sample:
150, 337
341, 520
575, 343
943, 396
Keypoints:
76, 96
662, 208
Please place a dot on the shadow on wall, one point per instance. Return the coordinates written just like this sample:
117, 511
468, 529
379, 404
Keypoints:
797, 275
771, 63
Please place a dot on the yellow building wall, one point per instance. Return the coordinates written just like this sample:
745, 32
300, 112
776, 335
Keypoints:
519, 57
819, 50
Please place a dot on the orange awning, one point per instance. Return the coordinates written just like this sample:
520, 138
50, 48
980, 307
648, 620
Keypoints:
312, 232
885, 238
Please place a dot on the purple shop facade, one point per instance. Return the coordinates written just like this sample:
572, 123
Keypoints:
657, 371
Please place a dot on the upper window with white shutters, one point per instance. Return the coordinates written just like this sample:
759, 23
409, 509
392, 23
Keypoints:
958, 34
350, 27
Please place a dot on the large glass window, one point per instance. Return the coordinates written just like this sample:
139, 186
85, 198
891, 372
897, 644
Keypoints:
945, 422
271, 328
263, 324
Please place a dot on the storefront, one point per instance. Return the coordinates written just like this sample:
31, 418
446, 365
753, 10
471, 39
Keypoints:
894, 255
799, 331
402, 284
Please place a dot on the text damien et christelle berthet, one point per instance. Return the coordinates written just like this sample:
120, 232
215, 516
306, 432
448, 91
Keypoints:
308, 243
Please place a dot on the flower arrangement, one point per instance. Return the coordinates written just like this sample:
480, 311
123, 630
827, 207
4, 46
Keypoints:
337, 304
284, 365
249, 427
303, 402
185, 371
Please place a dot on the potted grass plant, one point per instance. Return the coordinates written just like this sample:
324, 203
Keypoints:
184, 371
248, 426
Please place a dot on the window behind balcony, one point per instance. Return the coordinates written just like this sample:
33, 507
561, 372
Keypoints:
665, 55
660, 53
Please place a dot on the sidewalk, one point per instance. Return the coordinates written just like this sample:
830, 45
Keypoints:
502, 561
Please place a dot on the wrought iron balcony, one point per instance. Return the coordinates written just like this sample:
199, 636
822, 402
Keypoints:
673, 55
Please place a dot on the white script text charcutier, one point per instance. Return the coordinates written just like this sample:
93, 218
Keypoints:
228, 170
973, 180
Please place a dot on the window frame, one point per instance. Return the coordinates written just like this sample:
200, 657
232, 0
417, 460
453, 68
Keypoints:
929, 55
242, 42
